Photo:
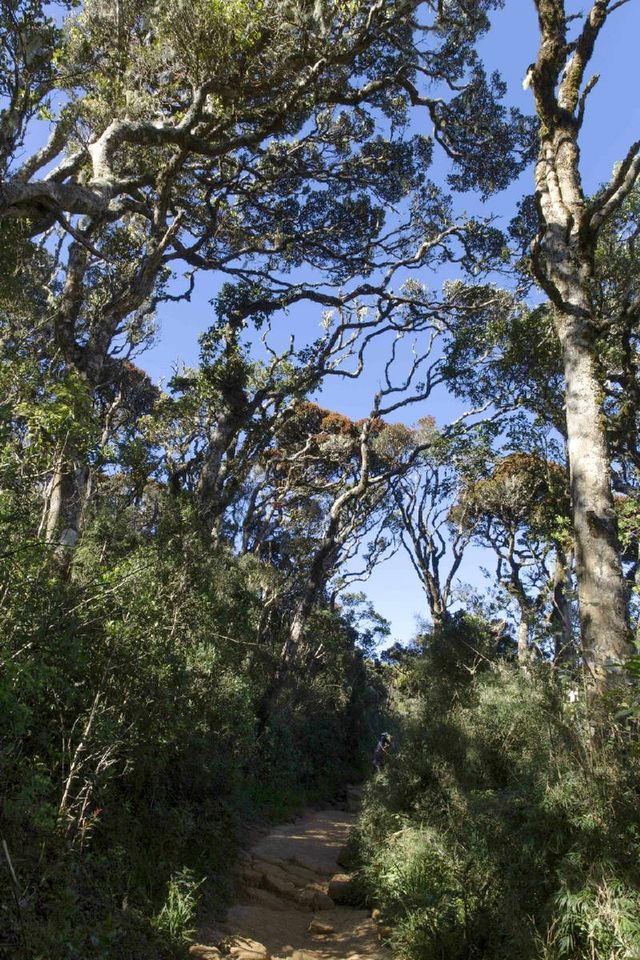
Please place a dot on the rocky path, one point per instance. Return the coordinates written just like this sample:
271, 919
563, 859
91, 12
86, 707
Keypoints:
292, 900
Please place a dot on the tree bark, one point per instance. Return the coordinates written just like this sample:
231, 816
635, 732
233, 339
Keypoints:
65, 506
322, 565
211, 483
440, 617
561, 619
524, 654
602, 591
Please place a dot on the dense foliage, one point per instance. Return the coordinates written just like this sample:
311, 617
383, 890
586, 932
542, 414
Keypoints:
502, 827
131, 741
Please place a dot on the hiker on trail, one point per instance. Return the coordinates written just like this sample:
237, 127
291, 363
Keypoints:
382, 751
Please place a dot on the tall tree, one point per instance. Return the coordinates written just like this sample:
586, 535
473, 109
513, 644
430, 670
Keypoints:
241, 137
563, 262
520, 511
434, 540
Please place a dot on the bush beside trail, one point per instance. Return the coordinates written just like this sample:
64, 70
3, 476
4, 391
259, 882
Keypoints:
506, 824
131, 742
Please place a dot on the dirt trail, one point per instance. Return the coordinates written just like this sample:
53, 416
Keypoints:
292, 898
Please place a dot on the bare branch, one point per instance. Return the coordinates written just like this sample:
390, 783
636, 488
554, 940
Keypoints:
621, 185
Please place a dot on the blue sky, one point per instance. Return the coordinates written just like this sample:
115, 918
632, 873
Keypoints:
612, 124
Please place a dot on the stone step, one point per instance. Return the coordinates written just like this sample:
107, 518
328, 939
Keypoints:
243, 948
201, 951
342, 888
285, 881
319, 929
266, 899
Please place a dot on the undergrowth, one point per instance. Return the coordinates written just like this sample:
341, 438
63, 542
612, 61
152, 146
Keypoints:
506, 824
131, 750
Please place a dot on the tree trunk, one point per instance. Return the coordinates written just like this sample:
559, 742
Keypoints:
322, 562
321, 565
302, 612
563, 256
563, 263
439, 614
290, 649
561, 619
524, 627
210, 487
602, 592
65, 506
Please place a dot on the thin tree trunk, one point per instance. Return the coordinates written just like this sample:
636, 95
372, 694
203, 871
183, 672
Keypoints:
290, 649
561, 619
524, 653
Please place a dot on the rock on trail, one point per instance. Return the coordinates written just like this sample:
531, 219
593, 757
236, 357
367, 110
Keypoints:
283, 906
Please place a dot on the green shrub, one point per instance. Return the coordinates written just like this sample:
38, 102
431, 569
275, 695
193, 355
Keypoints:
129, 738
502, 827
